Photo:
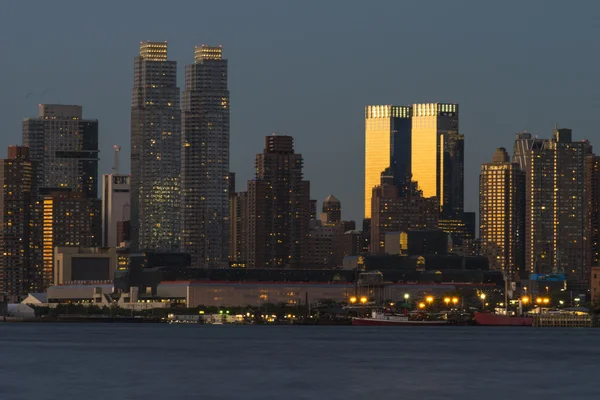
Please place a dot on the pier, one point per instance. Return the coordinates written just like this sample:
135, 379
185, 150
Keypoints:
565, 321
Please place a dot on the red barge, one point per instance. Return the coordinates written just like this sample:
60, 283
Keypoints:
488, 319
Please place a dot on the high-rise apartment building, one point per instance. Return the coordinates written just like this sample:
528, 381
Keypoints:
278, 207
64, 148
155, 151
437, 155
502, 214
387, 145
205, 159
69, 219
555, 206
17, 202
592, 201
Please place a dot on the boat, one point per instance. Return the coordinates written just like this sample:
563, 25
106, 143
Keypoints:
489, 319
379, 318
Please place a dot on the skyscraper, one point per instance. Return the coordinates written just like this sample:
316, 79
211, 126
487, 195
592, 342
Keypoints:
592, 201
278, 207
64, 148
17, 201
437, 155
155, 151
387, 145
555, 206
502, 213
205, 158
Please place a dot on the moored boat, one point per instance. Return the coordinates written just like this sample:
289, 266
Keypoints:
379, 318
489, 319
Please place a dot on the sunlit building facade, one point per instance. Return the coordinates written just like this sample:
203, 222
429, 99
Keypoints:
437, 155
502, 213
205, 159
155, 151
387, 145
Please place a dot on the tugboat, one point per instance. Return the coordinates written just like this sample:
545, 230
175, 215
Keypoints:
379, 318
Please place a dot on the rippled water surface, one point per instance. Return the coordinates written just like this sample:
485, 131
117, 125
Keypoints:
119, 361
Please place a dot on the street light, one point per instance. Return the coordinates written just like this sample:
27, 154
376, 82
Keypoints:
546, 300
455, 301
482, 297
421, 305
525, 299
429, 299
406, 297
447, 301
353, 299
539, 300
363, 300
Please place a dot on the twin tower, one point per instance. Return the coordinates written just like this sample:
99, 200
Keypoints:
421, 147
180, 154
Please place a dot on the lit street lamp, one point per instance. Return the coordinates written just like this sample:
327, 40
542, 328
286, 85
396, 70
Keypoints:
447, 301
363, 300
482, 297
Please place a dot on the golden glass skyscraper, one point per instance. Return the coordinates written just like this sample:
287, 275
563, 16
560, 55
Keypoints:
387, 145
437, 155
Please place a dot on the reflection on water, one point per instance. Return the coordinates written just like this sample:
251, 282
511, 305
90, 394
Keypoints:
98, 361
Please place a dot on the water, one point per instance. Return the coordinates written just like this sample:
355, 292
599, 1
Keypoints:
118, 361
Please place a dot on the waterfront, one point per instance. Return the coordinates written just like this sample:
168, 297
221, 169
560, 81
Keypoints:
122, 361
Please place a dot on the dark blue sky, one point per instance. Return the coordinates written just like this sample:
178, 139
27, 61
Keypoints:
308, 68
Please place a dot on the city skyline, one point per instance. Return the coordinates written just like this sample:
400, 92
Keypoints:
504, 77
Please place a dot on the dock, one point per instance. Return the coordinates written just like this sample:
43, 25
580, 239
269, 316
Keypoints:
565, 321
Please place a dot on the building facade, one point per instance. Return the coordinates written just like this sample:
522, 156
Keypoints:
387, 145
155, 151
81, 264
278, 207
437, 155
68, 219
17, 207
592, 201
332, 210
502, 214
116, 206
205, 159
64, 147
393, 213
555, 207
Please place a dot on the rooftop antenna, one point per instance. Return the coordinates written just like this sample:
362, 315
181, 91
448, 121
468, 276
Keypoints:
116, 162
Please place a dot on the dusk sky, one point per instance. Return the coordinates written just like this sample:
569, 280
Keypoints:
308, 68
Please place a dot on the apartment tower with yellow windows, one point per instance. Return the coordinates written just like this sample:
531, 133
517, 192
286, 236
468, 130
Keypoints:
502, 214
